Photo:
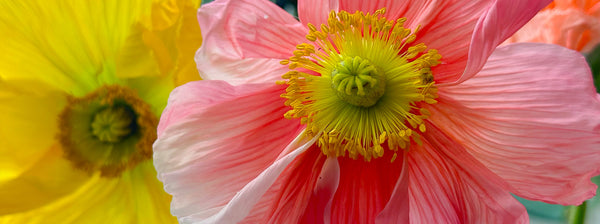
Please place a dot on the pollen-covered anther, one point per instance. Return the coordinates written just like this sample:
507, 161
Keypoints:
361, 83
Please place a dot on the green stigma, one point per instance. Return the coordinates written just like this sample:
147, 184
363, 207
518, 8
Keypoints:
358, 82
112, 124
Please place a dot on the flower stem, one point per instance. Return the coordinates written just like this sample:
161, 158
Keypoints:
577, 213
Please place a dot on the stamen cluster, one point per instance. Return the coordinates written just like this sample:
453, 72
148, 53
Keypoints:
361, 82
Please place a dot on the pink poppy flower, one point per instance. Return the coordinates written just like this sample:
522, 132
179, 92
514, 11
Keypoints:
574, 24
407, 114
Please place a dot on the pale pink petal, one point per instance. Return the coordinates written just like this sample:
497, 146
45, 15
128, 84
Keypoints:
532, 117
447, 185
215, 138
315, 11
498, 23
396, 210
244, 40
240, 205
364, 188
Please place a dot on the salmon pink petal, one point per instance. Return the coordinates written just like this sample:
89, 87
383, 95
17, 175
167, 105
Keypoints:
315, 192
316, 11
302, 191
396, 210
244, 40
447, 185
572, 28
322, 197
214, 139
531, 116
498, 23
448, 26
364, 188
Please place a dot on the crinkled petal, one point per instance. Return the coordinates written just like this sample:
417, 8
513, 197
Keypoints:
531, 116
447, 185
245, 40
316, 11
498, 23
189, 40
215, 138
448, 27
163, 44
445, 25
463, 32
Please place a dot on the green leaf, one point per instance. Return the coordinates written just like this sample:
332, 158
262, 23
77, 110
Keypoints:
593, 59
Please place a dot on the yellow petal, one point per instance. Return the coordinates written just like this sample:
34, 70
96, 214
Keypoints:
188, 43
101, 200
50, 178
165, 43
153, 90
66, 43
29, 124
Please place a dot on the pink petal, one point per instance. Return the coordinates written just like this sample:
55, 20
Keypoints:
364, 188
215, 138
447, 185
322, 198
315, 11
240, 205
464, 32
498, 23
445, 25
302, 191
244, 40
450, 30
531, 116
396, 210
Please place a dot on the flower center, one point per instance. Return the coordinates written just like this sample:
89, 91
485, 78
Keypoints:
112, 124
362, 83
358, 82
109, 130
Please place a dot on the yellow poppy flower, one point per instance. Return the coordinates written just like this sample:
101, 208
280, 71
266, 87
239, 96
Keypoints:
82, 84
